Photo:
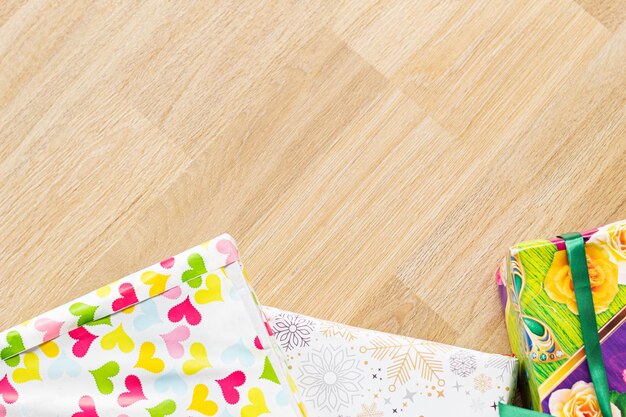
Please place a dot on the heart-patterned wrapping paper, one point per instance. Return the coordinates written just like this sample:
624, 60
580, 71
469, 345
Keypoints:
344, 371
184, 337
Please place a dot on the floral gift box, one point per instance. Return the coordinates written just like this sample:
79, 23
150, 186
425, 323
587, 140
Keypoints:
184, 337
343, 371
544, 326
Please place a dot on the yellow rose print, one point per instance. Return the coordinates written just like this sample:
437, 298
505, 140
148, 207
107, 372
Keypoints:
580, 400
603, 274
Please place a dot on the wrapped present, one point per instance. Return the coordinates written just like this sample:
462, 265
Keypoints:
347, 371
184, 337
544, 324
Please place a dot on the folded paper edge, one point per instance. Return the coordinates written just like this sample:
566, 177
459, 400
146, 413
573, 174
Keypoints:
134, 288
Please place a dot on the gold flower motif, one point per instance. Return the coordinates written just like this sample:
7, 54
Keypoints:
603, 275
578, 401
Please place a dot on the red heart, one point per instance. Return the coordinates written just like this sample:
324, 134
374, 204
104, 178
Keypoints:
3, 411
185, 310
84, 339
87, 407
134, 393
7, 392
127, 299
229, 386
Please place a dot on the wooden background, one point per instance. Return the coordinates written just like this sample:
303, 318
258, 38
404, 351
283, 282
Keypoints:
373, 159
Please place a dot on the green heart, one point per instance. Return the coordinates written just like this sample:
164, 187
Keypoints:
16, 346
165, 408
104, 320
198, 268
103, 376
268, 372
84, 312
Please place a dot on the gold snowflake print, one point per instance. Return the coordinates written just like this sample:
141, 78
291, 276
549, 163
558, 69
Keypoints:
483, 383
408, 356
370, 411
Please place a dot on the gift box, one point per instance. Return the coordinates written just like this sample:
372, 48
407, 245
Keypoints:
544, 325
184, 337
346, 371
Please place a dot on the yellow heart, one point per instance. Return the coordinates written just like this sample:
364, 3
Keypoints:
213, 291
200, 402
103, 291
119, 338
257, 404
147, 360
156, 281
199, 361
128, 310
30, 371
50, 349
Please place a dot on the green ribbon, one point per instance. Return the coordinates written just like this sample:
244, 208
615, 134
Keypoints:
575, 247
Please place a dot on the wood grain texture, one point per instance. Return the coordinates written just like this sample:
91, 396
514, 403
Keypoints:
373, 159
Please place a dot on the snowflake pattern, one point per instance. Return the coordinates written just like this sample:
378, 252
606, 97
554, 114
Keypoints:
483, 383
292, 331
408, 356
370, 411
331, 378
463, 363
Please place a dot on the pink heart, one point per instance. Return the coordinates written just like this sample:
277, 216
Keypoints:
227, 247
167, 263
185, 310
3, 411
50, 328
7, 392
229, 386
84, 339
268, 328
87, 407
134, 393
173, 293
127, 299
257, 343
172, 341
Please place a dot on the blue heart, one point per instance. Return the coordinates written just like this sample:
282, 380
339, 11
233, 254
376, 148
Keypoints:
63, 365
149, 316
238, 353
170, 381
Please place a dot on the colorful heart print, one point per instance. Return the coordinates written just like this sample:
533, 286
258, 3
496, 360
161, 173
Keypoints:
15, 346
118, 338
213, 290
127, 299
84, 339
197, 268
147, 360
228, 248
50, 349
30, 371
84, 312
163, 409
199, 359
201, 403
173, 341
257, 405
103, 375
185, 310
7, 392
156, 281
51, 329
268, 372
229, 386
87, 407
134, 392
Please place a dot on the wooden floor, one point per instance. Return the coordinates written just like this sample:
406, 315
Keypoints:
374, 159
